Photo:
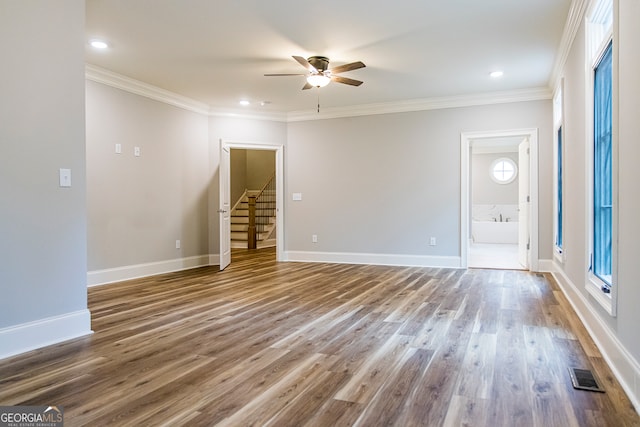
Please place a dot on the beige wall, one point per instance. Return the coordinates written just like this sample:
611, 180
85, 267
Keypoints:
484, 189
384, 184
261, 165
617, 336
250, 170
42, 129
629, 177
139, 206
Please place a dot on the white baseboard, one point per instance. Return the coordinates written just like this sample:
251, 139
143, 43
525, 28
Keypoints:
118, 274
376, 259
622, 363
40, 333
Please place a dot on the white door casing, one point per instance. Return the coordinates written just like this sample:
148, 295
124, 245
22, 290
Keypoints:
524, 203
225, 236
466, 139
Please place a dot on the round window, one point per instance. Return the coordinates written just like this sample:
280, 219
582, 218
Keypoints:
503, 170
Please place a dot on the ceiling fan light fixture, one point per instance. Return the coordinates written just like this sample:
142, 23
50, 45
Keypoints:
318, 80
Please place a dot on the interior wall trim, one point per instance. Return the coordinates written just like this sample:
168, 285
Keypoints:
128, 272
43, 332
575, 18
534, 94
375, 259
110, 78
625, 368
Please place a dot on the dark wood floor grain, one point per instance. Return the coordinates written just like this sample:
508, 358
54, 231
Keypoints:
300, 344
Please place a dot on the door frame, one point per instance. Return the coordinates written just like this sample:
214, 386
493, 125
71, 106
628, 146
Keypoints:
279, 153
466, 139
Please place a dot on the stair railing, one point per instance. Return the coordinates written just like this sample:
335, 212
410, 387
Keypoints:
262, 207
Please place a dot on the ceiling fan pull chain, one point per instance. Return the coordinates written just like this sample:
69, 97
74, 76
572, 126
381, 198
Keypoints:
318, 100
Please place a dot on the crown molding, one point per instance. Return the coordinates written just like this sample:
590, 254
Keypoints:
109, 78
575, 17
243, 114
103, 76
534, 94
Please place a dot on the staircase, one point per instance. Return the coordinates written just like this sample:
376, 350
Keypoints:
265, 219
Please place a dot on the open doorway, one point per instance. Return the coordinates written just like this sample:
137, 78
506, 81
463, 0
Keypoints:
253, 197
227, 198
498, 198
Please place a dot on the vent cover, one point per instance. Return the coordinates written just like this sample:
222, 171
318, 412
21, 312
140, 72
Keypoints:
584, 379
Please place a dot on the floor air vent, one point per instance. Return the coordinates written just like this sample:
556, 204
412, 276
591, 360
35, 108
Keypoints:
584, 379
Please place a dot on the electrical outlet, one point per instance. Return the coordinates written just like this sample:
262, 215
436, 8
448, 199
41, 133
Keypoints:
432, 241
314, 238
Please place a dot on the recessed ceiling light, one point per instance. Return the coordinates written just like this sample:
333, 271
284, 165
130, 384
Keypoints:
244, 102
496, 74
99, 44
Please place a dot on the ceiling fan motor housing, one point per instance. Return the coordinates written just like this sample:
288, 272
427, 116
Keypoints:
320, 63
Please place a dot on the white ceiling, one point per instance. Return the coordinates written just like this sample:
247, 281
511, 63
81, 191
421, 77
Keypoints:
216, 51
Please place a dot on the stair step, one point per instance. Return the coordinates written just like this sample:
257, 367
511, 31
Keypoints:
259, 212
238, 235
242, 236
245, 220
244, 228
258, 202
265, 217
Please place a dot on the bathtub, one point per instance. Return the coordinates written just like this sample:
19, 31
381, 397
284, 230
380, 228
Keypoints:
494, 231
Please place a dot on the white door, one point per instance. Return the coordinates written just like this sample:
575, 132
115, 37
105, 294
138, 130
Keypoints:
225, 206
524, 203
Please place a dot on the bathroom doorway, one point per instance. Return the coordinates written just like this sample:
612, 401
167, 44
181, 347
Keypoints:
497, 200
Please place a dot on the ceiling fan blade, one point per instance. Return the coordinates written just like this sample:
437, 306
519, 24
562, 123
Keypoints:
276, 75
307, 86
346, 80
347, 67
305, 64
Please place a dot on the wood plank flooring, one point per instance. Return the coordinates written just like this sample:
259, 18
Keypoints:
297, 344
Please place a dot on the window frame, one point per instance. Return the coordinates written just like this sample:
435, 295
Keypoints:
492, 170
558, 168
599, 35
599, 166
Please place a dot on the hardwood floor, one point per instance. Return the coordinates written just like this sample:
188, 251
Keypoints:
297, 344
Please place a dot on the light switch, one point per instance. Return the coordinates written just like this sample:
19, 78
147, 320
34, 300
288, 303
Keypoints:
118, 148
297, 196
65, 177
136, 151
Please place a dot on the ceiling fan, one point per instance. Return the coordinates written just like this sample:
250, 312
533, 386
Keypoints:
320, 74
